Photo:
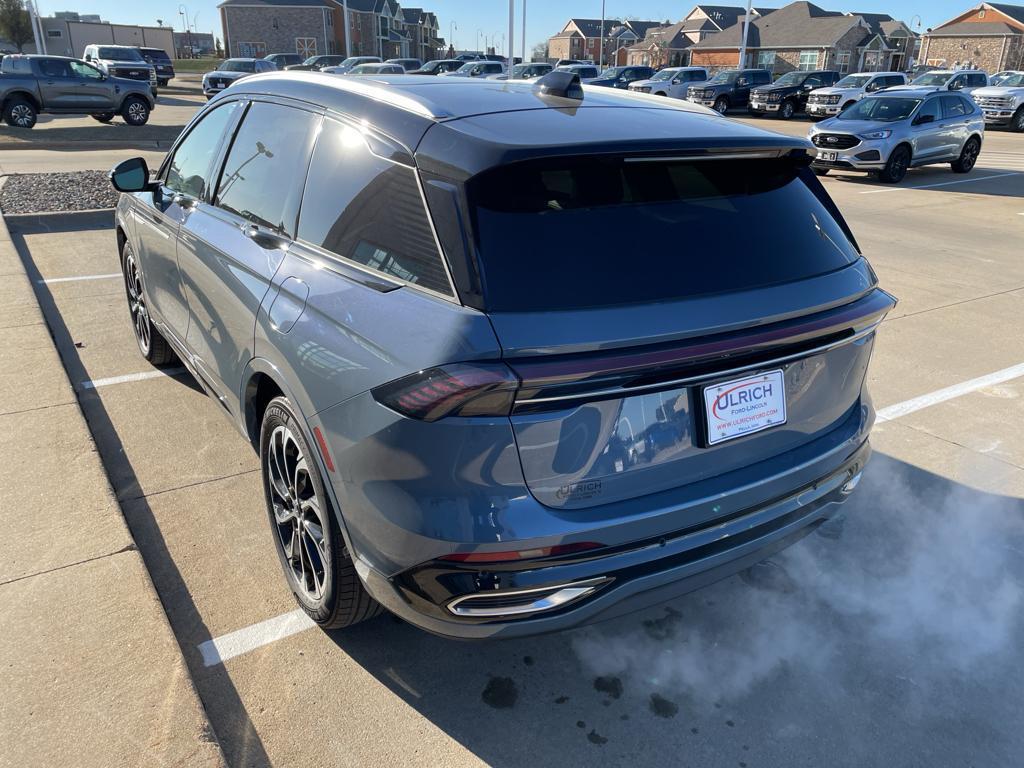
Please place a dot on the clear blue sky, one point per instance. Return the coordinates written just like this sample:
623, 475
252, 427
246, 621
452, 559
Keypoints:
544, 17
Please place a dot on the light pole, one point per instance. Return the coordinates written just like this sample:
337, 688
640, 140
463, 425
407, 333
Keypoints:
348, 29
494, 42
183, 12
511, 36
600, 64
452, 26
746, 31
522, 50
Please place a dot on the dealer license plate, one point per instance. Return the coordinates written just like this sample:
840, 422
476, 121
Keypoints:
828, 157
744, 406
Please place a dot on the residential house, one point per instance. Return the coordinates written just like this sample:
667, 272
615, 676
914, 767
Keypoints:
596, 40
989, 36
706, 20
803, 36
664, 46
422, 29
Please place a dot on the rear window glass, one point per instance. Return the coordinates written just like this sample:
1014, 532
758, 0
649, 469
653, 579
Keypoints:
590, 232
368, 210
16, 65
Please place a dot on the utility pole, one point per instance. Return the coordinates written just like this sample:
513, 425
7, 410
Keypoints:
37, 27
600, 64
511, 35
522, 51
746, 31
348, 29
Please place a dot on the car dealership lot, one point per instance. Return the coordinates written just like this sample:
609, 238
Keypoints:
888, 641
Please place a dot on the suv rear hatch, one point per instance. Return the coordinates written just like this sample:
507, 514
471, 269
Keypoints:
670, 318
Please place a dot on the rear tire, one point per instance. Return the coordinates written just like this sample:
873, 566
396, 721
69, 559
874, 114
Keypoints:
721, 105
135, 111
20, 113
316, 563
162, 83
896, 167
968, 156
103, 117
152, 345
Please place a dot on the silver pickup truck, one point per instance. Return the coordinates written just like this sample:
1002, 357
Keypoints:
61, 85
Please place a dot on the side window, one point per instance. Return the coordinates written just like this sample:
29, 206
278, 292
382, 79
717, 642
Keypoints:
368, 210
762, 78
930, 107
952, 106
958, 83
83, 70
54, 68
815, 81
968, 105
262, 176
977, 80
190, 167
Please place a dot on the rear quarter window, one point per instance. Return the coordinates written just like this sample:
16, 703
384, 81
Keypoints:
368, 210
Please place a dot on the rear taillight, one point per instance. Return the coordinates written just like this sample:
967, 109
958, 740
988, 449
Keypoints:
459, 389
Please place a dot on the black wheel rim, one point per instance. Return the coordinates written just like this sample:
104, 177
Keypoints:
21, 114
722, 106
899, 165
970, 155
297, 512
137, 302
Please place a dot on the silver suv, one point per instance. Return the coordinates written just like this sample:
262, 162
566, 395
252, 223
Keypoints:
888, 132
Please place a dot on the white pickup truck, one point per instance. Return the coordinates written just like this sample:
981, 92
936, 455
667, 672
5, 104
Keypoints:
829, 102
1003, 104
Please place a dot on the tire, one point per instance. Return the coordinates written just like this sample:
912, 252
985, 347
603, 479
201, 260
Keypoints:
820, 171
152, 345
968, 156
896, 167
786, 110
20, 113
162, 83
1017, 121
322, 578
135, 110
721, 105
103, 117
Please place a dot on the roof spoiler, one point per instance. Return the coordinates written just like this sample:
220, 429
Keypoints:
564, 85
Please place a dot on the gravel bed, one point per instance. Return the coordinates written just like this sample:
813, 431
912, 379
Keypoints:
44, 192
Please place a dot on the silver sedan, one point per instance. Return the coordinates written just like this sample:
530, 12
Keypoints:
891, 131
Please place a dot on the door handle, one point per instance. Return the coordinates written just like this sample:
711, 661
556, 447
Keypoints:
264, 238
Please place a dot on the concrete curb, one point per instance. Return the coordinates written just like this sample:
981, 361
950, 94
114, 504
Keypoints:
65, 146
105, 681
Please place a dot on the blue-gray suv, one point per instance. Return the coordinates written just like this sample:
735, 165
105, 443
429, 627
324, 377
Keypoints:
476, 405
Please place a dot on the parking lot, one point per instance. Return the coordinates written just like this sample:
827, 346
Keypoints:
891, 639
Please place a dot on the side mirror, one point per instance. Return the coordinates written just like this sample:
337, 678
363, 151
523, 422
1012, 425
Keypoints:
808, 87
956, 85
923, 119
131, 175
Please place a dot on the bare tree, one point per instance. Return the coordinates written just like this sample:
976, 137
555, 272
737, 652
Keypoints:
15, 24
539, 52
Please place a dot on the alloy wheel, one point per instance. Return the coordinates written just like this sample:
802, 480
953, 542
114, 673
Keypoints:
786, 110
298, 513
21, 114
137, 112
722, 106
137, 302
969, 155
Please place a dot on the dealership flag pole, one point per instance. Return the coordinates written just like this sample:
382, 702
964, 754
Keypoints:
746, 31
348, 30
511, 37
522, 51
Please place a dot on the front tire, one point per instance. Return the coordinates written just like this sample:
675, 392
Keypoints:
786, 110
896, 167
721, 105
135, 111
152, 345
20, 113
316, 562
968, 156
162, 83
1017, 121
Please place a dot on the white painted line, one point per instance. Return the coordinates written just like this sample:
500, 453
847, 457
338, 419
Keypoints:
81, 277
220, 649
943, 184
942, 395
155, 374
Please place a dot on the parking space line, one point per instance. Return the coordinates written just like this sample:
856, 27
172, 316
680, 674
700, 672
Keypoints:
220, 649
241, 641
154, 374
942, 184
80, 277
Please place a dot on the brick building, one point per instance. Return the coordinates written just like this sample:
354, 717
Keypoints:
803, 36
597, 40
989, 36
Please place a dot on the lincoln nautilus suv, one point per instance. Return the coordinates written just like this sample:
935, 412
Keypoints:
475, 404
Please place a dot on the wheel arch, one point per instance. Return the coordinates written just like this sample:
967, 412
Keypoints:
28, 96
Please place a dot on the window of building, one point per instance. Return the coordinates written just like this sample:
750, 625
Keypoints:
368, 210
53, 33
261, 181
251, 50
808, 60
766, 60
843, 61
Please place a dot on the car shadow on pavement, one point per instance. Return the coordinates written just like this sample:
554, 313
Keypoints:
233, 722
891, 632
999, 182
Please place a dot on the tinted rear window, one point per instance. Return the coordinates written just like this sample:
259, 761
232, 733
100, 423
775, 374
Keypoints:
589, 232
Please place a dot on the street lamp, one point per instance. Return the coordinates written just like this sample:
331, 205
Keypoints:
478, 33
452, 26
183, 12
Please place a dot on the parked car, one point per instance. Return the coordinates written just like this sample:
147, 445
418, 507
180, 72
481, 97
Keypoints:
788, 94
231, 70
407, 65
671, 81
893, 130
964, 80
316, 63
587, 73
368, 69
621, 77
998, 77
1004, 104
472, 437
283, 60
464, 57
525, 71
476, 69
823, 102
568, 62
121, 61
728, 89
437, 66
161, 62
60, 85
351, 63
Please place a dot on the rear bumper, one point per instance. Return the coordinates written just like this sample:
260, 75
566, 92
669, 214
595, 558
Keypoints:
627, 579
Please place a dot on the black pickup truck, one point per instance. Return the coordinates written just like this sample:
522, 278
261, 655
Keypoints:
788, 95
728, 89
61, 85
